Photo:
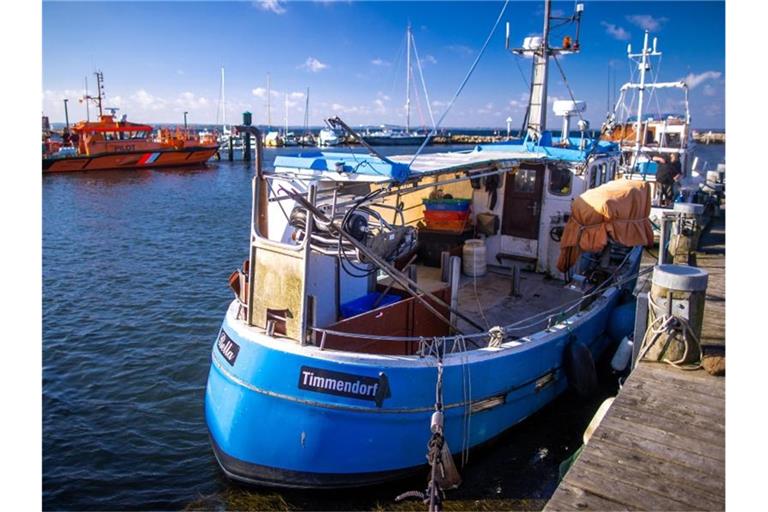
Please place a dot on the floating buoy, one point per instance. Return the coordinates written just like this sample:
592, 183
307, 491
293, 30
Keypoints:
580, 368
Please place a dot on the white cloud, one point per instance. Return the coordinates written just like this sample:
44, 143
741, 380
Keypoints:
615, 31
709, 90
275, 6
694, 80
314, 65
380, 107
296, 95
146, 101
259, 92
461, 49
190, 101
429, 59
647, 22
380, 62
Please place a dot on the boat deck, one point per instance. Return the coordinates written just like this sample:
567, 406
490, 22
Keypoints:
661, 445
488, 299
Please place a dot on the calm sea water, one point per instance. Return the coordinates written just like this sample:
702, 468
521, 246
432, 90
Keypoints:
135, 267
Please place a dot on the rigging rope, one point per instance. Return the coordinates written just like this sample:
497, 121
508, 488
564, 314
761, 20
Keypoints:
461, 86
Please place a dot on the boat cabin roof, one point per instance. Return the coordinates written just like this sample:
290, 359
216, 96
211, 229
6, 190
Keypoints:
108, 123
341, 166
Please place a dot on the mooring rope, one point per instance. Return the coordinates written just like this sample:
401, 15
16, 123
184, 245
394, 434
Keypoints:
671, 325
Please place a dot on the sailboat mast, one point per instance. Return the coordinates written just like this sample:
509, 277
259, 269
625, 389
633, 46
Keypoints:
223, 104
408, 80
269, 106
285, 104
306, 112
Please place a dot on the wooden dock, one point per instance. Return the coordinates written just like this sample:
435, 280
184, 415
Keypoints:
661, 446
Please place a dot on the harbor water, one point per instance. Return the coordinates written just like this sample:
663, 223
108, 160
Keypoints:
135, 267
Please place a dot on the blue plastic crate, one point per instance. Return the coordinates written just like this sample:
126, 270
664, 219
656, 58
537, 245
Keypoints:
365, 303
456, 205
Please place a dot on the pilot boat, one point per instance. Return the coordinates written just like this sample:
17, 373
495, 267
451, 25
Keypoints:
109, 143
341, 356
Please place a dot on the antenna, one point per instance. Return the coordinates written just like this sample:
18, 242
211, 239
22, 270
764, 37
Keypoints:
100, 90
86, 98
506, 39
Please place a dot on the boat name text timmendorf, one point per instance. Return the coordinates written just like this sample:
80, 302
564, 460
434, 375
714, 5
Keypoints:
344, 384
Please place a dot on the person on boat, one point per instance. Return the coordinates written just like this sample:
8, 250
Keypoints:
667, 175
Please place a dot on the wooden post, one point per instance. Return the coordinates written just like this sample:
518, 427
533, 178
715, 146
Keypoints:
231, 149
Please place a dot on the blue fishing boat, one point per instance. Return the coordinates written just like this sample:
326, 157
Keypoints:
343, 360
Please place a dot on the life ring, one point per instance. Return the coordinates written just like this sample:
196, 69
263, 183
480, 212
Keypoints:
580, 368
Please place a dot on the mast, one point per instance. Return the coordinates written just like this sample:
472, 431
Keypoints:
269, 105
537, 116
408, 79
306, 112
87, 105
99, 90
223, 104
285, 106
644, 65
540, 50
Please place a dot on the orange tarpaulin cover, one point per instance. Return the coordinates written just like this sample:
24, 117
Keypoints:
619, 209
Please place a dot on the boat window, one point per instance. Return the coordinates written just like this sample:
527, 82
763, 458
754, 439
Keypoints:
593, 176
109, 135
559, 181
603, 173
612, 170
525, 180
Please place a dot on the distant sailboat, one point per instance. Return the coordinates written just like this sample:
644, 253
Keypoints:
395, 137
307, 138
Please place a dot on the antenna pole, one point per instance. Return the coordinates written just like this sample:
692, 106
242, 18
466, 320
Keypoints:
87, 99
306, 113
99, 90
408, 80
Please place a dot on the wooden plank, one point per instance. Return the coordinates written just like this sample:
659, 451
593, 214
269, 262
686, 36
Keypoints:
646, 482
649, 418
664, 438
570, 497
651, 466
697, 461
712, 409
665, 407
660, 375
628, 493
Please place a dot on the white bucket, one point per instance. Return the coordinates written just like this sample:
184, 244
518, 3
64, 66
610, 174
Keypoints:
474, 257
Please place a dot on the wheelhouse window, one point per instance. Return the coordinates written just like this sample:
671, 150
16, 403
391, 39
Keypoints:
525, 180
593, 175
603, 173
560, 181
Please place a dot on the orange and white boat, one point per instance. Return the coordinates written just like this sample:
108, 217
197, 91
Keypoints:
118, 144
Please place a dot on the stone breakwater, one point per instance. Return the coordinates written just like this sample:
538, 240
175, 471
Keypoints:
709, 137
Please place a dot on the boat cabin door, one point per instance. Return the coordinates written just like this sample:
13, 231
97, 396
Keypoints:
522, 202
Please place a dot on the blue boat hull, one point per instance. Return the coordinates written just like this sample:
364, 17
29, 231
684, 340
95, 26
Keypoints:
268, 426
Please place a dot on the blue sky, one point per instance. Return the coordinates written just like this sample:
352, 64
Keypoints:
163, 58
